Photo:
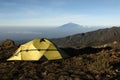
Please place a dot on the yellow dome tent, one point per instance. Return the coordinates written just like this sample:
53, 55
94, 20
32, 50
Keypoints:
36, 49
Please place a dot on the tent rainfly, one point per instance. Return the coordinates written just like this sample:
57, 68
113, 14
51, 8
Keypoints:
37, 49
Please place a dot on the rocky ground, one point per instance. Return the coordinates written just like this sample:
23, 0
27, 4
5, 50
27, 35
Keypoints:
87, 63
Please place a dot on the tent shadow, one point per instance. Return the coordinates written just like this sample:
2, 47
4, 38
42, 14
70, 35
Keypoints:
86, 50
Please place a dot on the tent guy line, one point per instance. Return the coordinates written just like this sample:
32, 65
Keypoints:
36, 50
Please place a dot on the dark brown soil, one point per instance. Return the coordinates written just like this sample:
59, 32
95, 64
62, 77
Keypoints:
86, 63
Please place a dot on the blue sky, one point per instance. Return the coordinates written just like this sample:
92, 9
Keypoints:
58, 12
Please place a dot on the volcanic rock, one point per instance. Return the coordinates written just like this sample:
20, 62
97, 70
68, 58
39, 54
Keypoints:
8, 44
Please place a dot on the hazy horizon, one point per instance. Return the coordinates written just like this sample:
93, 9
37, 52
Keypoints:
27, 33
25, 13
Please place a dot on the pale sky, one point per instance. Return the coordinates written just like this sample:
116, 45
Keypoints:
58, 12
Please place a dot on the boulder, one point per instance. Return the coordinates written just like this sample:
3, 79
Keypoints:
8, 44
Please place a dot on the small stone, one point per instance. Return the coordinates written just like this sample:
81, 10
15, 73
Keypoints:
107, 75
61, 77
64, 73
116, 70
76, 78
44, 73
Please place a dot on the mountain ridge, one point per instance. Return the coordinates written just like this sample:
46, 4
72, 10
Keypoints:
97, 37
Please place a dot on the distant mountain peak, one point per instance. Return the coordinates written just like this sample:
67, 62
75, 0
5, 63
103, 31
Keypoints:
70, 25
